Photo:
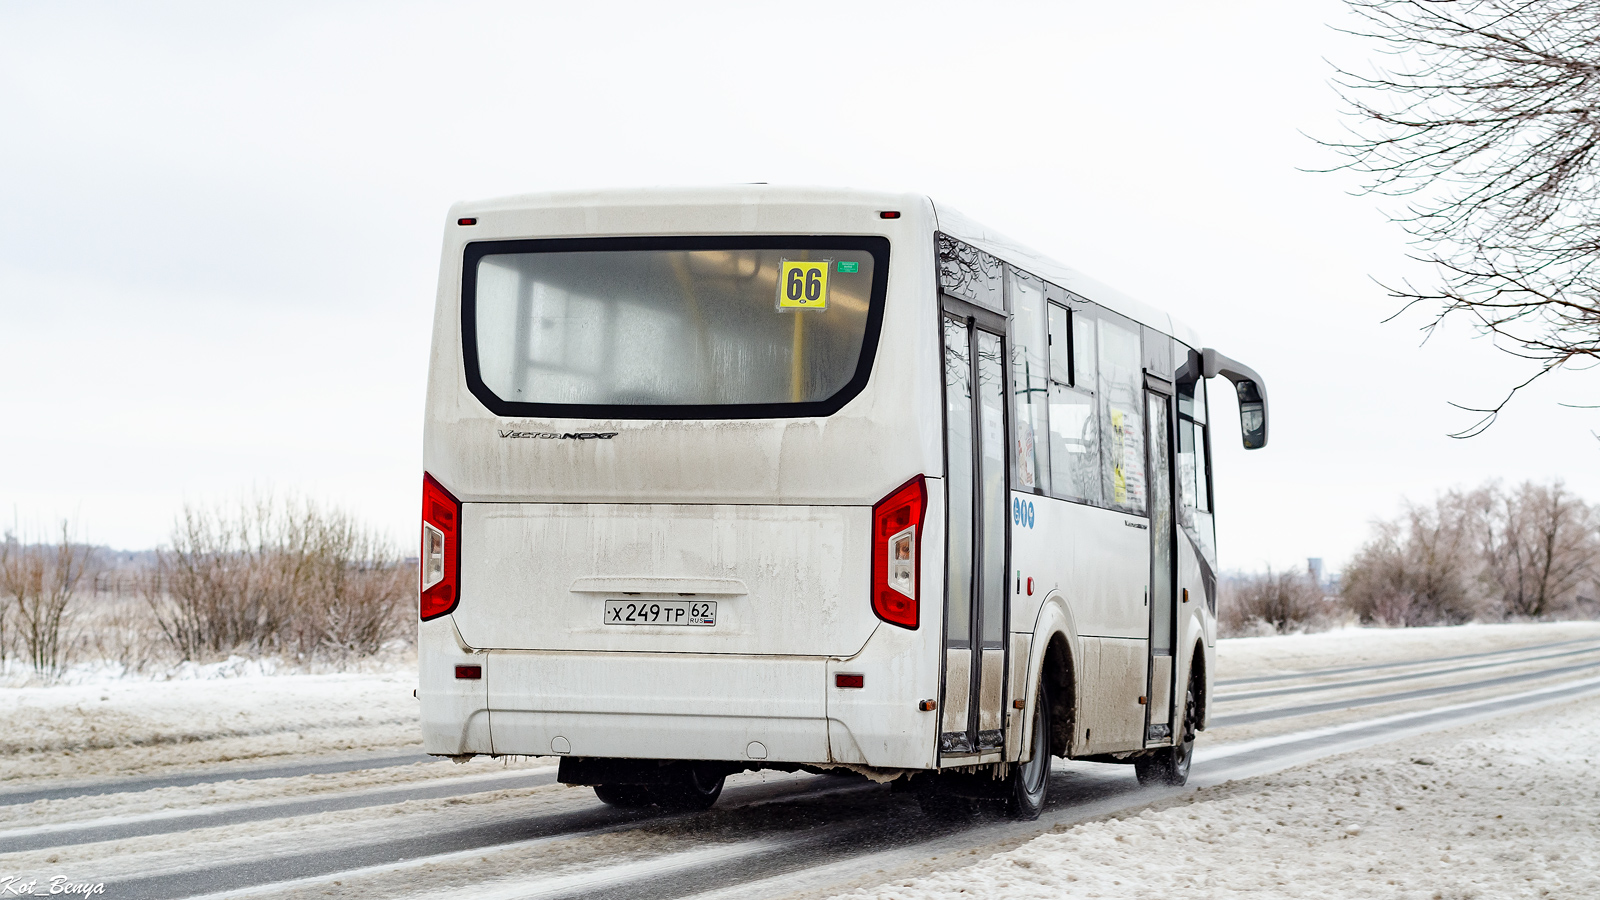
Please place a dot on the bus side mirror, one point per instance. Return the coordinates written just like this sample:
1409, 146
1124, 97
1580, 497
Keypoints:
1252, 414
1252, 393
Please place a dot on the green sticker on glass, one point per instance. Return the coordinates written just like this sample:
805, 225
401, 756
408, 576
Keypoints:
849, 266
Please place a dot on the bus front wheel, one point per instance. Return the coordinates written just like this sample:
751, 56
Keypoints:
1170, 765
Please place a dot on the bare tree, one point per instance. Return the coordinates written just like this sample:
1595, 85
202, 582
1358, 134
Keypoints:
10, 550
1488, 119
1541, 543
39, 581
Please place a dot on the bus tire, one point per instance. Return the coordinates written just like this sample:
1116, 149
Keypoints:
697, 788
1170, 765
1029, 783
624, 796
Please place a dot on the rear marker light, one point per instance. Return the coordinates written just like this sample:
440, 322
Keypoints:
928, 705
466, 221
441, 549
896, 542
850, 681
889, 214
1030, 586
470, 673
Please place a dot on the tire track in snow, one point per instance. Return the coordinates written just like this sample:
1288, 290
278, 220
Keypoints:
1373, 667
170, 821
130, 785
1265, 715
1390, 679
272, 874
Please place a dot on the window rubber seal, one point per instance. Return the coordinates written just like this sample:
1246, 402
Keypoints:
475, 251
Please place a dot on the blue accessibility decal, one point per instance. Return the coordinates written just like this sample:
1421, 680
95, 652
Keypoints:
1022, 512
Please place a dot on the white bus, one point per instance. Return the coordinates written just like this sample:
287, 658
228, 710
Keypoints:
772, 478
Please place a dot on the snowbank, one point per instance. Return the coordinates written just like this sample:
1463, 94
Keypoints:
1509, 808
1288, 653
220, 713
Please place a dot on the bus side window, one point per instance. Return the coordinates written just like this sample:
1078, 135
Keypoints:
1030, 367
1074, 427
1193, 464
1194, 467
1121, 386
971, 274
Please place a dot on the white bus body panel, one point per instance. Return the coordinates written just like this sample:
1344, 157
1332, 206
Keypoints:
787, 580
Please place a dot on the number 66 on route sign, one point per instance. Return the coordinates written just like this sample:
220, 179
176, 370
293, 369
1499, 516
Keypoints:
803, 284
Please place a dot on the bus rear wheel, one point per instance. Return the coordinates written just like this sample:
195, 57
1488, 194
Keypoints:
1029, 783
696, 788
624, 796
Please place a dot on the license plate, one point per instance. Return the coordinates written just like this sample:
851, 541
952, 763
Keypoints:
661, 612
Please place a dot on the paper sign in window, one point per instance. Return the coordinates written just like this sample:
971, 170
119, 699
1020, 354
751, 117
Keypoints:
803, 284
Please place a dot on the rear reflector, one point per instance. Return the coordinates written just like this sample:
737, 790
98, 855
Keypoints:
849, 681
470, 673
896, 546
441, 549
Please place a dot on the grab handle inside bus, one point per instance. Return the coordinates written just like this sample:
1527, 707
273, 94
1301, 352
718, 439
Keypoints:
1252, 391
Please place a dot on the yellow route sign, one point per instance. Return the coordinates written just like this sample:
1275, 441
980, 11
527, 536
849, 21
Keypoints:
803, 284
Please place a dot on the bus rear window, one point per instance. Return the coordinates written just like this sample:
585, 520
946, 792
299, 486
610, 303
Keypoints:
672, 328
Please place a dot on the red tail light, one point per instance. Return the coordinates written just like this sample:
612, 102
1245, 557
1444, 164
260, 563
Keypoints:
896, 547
441, 548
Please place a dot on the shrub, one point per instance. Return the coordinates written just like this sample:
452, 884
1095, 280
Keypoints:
1279, 603
288, 577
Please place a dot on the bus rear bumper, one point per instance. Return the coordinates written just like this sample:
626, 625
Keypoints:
658, 706
724, 707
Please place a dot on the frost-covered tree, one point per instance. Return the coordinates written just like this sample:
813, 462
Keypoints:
1423, 568
1541, 544
1528, 552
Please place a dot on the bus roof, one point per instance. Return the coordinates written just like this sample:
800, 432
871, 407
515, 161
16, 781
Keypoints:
625, 211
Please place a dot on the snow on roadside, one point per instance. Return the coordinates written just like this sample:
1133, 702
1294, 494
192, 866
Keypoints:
1290, 653
119, 727
396, 656
1507, 808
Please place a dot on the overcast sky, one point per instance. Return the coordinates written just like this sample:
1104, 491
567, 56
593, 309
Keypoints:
220, 225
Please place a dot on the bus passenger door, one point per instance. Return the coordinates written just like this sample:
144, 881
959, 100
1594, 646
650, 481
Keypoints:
973, 713
1158, 712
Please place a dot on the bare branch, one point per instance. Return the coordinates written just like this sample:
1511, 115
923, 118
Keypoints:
1487, 118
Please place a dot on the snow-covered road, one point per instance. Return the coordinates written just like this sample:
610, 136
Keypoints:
195, 819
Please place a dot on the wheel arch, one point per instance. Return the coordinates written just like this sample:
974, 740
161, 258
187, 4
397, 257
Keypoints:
1200, 665
1055, 654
